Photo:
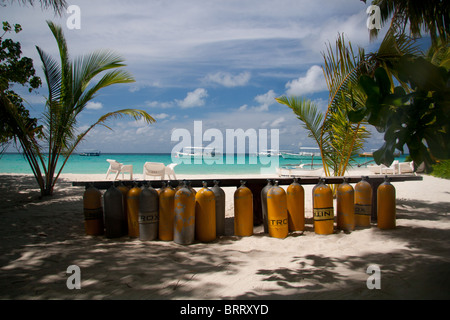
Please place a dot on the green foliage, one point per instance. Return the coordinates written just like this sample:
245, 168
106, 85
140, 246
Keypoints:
57, 5
430, 16
7, 27
339, 139
419, 119
442, 169
14, 69
339, 143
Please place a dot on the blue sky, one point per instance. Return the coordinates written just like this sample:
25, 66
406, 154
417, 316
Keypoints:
219, 61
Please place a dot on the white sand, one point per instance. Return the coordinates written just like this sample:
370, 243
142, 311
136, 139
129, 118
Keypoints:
41, 238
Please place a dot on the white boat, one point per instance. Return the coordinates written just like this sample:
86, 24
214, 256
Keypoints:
289, 155
304, 152
269, 153
300, 170
310, 152
197, 152
90, 153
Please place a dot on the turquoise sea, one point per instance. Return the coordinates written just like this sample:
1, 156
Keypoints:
234, 164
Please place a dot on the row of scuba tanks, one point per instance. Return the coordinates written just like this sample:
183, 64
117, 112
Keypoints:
284, 212
184, 215
180, 215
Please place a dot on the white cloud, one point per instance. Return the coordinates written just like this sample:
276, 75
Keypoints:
265, 100
161, 116
313, 81
277, 122
94, 105
193, 99
147, 131
173, 45
159, 104
228, 80
243, 107
134, 123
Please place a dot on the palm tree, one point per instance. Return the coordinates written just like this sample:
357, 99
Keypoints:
57, 5
439, 54
430, 16
338, 139
70, 88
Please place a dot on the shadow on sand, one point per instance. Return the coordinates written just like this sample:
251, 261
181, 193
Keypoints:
37, 246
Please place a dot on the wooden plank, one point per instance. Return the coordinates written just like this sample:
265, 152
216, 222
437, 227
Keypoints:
196, 183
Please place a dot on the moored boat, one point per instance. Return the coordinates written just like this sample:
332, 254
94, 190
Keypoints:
90, 153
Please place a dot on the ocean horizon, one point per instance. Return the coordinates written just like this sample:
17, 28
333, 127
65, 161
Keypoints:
223, 164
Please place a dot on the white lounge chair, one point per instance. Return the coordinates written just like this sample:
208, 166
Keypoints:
406, 167
170, 172
393, 168
374, 168
383, 169
154, 169
117, 167
114, 167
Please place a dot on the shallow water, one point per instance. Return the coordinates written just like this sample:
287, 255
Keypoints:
223, 164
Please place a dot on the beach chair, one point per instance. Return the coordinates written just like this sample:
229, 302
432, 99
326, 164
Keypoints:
393, 168
374, 168
383, 169
117, 167
406, 167
114, 167
170, 172
154, 169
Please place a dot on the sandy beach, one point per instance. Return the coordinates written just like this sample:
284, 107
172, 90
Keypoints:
40, 239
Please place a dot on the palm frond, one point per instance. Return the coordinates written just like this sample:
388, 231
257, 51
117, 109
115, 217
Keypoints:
110, 78
52, 73
66, 65
312, 119
342, 68
439, 54
307, 112
136, 114
57, 5
86, 67
430, 16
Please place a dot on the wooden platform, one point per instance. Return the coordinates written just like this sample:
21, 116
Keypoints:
256, 185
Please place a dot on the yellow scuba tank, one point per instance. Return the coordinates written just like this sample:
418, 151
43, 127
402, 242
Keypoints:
277, 215
243, 211
205, 214
133, 210
363, 203
386, 205
345, 203
93, 211
323, 211
166, 213
295, 195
